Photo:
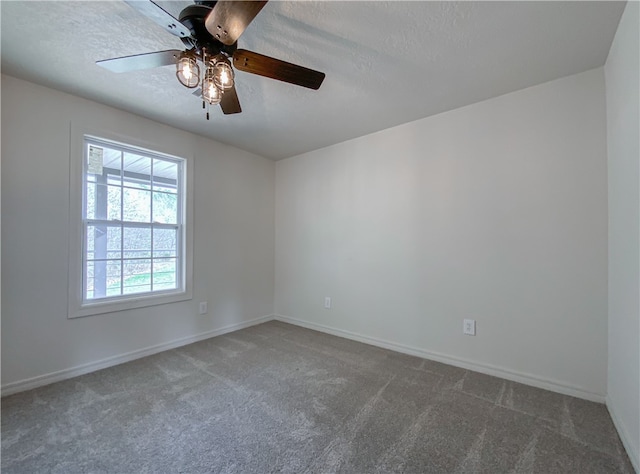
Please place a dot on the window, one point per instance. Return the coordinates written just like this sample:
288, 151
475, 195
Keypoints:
133, 228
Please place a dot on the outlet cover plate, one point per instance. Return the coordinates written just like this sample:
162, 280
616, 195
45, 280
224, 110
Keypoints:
469, 327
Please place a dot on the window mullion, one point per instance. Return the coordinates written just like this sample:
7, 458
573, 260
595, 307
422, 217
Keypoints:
121, 224
151, 216
100, 236
118, 222
180, 219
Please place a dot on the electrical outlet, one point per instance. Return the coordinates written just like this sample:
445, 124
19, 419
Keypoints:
327, 302
203, 307
469, 327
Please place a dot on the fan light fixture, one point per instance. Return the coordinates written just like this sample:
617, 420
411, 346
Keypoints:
223, 73
210, 91
187, 70
210, 32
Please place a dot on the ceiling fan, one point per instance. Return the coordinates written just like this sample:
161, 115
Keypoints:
210, 32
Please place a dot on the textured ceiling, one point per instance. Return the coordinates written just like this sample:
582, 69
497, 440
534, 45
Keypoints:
387, 63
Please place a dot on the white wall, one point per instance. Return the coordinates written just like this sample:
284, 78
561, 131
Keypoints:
623, 122
233, 238
496, 211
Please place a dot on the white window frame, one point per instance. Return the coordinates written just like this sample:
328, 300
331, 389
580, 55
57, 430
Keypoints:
78, 307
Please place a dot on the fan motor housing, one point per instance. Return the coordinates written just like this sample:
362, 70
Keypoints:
193, 17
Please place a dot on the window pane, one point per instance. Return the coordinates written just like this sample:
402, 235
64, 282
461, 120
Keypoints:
99, 279
90, 244
165, 176
112, 161
137, 242
90, 202
89, 280
103, 202
114, 242
165, 243
136, 276
96, 246
164, 274
165, 208
113, 278
137, 171
114, 206
136, 205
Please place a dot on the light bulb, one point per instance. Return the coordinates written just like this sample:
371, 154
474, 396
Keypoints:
187, 70
210, 91
223, 73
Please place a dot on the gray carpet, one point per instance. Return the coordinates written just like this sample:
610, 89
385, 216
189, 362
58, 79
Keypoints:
279, 398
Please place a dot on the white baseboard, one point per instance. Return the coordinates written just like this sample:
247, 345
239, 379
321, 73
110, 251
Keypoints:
46, 379
632, 451
34, 382
527, 379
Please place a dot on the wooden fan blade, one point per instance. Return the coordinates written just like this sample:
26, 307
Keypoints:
229, 19
230, 103
255, 63
159, 15
141, 61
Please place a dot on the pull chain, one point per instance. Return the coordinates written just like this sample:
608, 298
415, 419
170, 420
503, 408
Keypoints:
204, 64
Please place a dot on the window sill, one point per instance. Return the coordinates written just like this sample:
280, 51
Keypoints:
91, 309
